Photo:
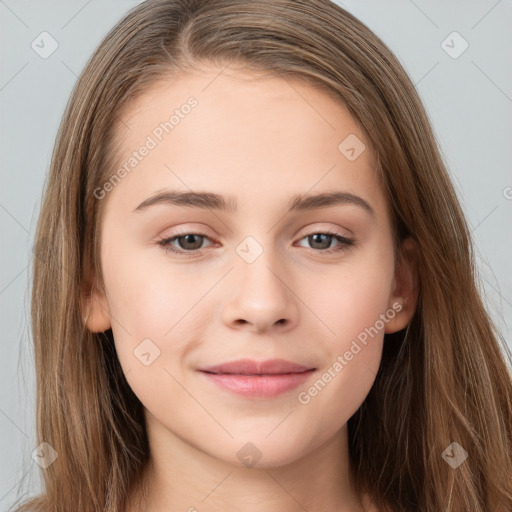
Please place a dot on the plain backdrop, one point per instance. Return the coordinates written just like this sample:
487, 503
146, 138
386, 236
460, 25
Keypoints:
464, 79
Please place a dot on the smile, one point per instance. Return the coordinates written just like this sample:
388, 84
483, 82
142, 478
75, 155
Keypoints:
258, 385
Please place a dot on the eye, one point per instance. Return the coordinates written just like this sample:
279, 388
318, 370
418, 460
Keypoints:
322, 240
190, 243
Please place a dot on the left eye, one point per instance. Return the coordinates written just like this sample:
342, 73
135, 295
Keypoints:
192, 242
327, 236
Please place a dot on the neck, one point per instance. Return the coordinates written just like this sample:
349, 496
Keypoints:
180, 477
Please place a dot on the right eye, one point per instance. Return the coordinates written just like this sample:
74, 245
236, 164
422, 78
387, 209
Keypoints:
189, 242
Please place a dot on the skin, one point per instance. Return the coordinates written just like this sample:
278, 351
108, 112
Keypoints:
261, 139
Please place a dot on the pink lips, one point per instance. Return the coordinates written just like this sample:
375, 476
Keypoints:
258, 379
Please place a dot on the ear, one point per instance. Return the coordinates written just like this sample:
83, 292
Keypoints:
95, 308
405, 290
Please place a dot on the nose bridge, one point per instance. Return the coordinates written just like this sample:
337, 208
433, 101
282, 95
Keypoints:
261, 294
258, 263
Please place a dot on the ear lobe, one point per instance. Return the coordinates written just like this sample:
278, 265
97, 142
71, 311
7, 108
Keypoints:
95, 310
405, 293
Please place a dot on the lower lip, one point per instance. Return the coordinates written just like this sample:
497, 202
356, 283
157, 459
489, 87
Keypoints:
259, 386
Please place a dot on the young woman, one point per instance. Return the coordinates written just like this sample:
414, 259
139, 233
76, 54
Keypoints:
254, 286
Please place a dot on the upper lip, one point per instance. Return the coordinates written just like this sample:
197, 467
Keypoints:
251, 367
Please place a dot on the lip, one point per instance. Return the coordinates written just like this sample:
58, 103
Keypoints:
251, 367
258, 379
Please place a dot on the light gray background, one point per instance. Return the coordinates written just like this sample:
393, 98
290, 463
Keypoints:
468, 98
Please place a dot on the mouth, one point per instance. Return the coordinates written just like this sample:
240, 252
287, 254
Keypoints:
253, 379
252, 367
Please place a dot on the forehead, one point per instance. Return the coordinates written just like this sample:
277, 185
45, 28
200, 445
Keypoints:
247, 133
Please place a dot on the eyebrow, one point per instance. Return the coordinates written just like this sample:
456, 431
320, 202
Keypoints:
212, 201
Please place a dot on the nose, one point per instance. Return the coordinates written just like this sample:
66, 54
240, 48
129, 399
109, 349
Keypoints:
261, 297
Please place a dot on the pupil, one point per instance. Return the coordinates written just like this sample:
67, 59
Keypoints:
321, 235
189, 239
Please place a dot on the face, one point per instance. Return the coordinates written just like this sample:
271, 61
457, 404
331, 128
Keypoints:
254, 270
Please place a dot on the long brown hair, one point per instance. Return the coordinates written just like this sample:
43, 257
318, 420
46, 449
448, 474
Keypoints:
444, 379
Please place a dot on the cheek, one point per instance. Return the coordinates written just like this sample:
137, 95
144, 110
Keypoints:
353, 309
351, 297
352, 352
353, 305
147, 304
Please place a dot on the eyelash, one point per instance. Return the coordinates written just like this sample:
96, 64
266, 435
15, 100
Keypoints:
345, 243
